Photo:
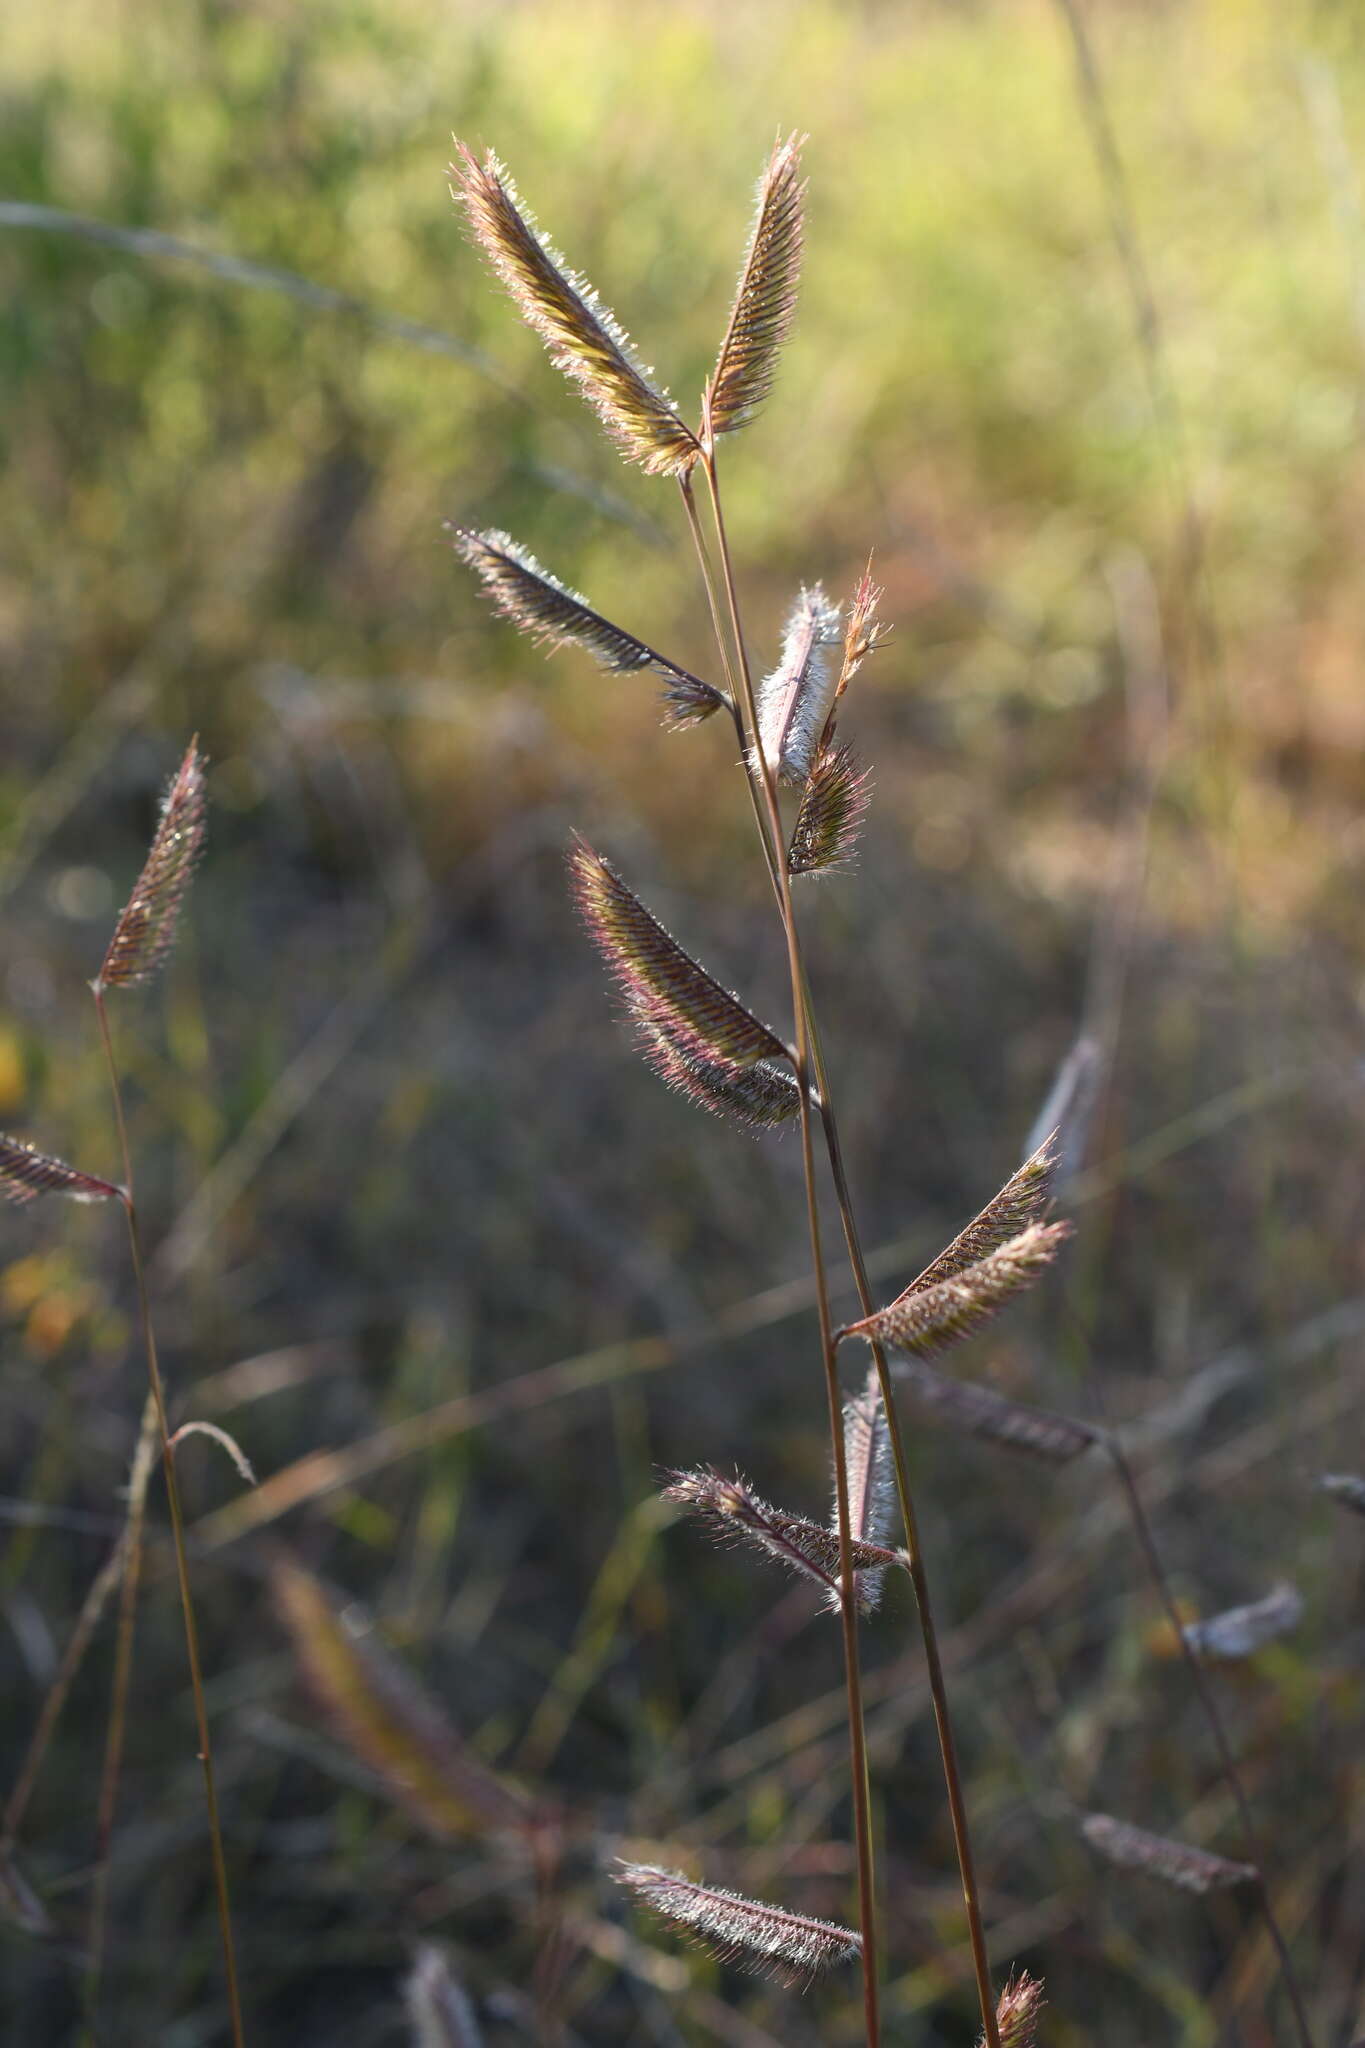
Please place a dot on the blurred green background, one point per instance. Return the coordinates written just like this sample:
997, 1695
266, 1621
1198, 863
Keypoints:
1080, 358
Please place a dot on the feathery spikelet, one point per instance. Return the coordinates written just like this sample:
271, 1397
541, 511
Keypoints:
758, 1096
1345, 1487
794, 700
790, 1946
925, 1320
831, 814
1017, 2012
583, 338
26, 1174
439, 2012
864, 632
1022, 1200
1241, 1631
732, 1510
765, 298
867, 1465
382, 1713
1175, 1863
981, 1412
661, 983
145, 931
553, 615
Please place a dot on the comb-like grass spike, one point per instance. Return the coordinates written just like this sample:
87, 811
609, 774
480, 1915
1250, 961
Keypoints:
545, 609
867, 1462
26, 1174
833, 807
1022, 1200
794, 700
927, 1319
583, 338
765, 298
981, 1412
791, 1946
733, 1511
1017, 2014
759, 1096
146, 928
1174, 1863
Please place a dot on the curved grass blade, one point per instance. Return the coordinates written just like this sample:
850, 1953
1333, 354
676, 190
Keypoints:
794, 701
831, 816
765, 298
926, 1320
583, 338
790, 1946
26, 1174
146, 928
733, 1512
1241, 1631
1022, 1200
1174, 1863
663, 985
553, 615
383, 1715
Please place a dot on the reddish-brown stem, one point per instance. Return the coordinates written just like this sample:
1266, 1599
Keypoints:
158, 1397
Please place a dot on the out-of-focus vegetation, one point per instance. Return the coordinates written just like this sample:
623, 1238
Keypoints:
397, 1157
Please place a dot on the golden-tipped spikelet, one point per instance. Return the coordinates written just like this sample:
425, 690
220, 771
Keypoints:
662, 984
864, 632
1018, 2011
867, 1465
146, 928
26, 1174
925, 1320
1022, 1200
383, 1715
790, 1946
835, 802
981, 1412
583, 338
439, 2012
1174, 1863
795, 699
525, 592
732, 1511
1240, 1631
765, 298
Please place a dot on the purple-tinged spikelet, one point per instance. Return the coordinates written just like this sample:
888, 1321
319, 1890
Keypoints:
1022, 1200
545, 609
732, 1511
867, 1465
927, 1319
759, 1096
864, 632
1017, 2012
583, 338
765, 298
26, 1174
790, 1946
794, 701
832, 810
1174, 1863
661, 984
146, 928
1240, 1631
981, 1412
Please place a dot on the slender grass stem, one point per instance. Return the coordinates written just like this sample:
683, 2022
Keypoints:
770, 821
158, 1397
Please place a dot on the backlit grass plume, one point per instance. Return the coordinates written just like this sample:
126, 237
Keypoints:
795, 698
732, 1511
586, 341
1174, 1863
146, 928
549, 612
1022, 1200
790, 1946
825, 836
26, 1174
1017, 2015
658, 980
758, 1096
928, 1319
871, 1490
765, 298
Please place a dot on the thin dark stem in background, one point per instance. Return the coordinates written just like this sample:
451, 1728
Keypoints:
158, 1396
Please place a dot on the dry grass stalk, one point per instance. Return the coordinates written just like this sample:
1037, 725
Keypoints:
1019, 2010
733, 1511
928, 1319
439, 2011
790, 1946
584, 340
1174, 1863
146, 928
795, 699
381, 1713
26, 1174
1241, 1631
555, 616
1345, 1487
833, 806
765, 298
981, 1412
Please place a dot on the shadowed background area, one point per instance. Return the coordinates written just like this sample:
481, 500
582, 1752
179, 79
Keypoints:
1080, 355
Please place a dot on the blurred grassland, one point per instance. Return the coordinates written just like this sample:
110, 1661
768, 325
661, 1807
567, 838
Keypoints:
222, 512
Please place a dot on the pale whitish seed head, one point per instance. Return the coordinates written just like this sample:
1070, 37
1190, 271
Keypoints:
794, 700
746, 1931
